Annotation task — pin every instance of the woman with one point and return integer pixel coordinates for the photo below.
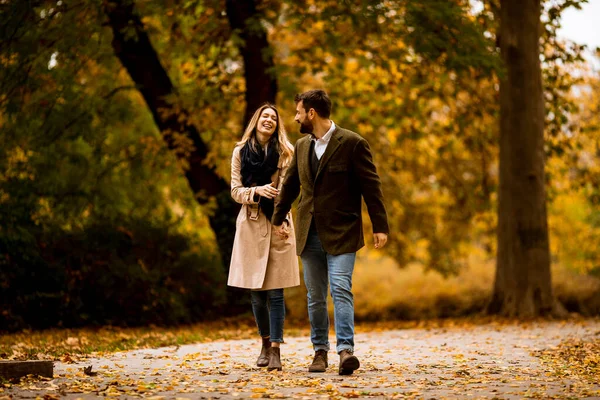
(261, 260)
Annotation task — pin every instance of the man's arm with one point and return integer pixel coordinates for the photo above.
(370, 186)
(289, 191)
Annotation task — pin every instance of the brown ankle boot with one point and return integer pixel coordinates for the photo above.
(263, 358)
(348, 362)
(274, 359)
(319, 363)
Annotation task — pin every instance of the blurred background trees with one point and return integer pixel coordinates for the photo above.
(118, 118)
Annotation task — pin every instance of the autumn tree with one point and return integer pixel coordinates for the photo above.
(134, 48)
(91, 223)
(424, 98)
(434, 124)
(574, 221)
(259, 68)
(523, 286)
(118, 118)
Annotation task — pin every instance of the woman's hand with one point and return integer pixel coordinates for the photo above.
(267, 191)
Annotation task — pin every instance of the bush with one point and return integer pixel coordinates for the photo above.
(131, 273)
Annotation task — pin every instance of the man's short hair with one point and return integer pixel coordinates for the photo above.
(316, 99)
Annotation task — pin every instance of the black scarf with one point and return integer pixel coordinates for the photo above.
(257, 169)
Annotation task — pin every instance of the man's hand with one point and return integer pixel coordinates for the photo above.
(282, 230)
(380, 239)
(268, 191)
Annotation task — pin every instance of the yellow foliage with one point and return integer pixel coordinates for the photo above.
(573, 239)
(384, 292)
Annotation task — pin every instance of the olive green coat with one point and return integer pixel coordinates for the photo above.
(333, 197)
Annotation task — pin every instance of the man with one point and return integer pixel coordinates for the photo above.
(333, 168)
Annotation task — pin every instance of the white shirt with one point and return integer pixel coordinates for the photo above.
(321, 144)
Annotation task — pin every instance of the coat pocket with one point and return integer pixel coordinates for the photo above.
(338, 168)
(344, 216)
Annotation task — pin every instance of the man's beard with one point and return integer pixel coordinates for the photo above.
(306, 127)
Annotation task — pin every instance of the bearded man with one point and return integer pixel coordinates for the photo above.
(333, 168)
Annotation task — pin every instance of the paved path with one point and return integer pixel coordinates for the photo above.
(486, 361)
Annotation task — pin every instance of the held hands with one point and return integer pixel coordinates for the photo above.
(283, 230)
(268, 191)
(380, 239)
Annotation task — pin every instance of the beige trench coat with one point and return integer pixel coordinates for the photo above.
(260, 259)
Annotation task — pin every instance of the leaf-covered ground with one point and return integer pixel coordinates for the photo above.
(448, 360)
(78, 344)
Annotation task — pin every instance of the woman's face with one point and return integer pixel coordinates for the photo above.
(267, 122)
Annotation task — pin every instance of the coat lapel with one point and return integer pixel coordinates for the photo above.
(303, 160)
(334, 144)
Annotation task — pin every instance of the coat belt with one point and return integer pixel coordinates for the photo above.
(252, 211)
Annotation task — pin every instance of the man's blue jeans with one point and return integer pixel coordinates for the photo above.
(269, 311)
(320, 269)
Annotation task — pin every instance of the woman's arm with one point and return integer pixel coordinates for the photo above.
(240, 193)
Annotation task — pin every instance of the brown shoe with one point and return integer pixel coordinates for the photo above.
(348, 362)
(263, 358)
(274, 359)
(319, 363)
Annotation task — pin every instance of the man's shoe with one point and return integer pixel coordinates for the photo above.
(319, 363)
(274, 359)
(263, 358)
(348, 362)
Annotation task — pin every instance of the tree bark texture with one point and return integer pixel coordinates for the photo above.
(132, 46)
(259, 67)
(523, 286)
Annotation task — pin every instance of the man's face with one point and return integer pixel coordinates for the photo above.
(302, 117)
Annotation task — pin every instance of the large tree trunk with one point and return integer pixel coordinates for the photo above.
(523, 286)
(259, 67)
(132, 45)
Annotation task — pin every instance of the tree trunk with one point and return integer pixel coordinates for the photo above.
(259, 67)
(523, 286)
(132, 46)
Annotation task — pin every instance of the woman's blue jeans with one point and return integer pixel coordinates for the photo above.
(269, 311)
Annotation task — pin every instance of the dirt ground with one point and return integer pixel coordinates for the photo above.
(483, 361)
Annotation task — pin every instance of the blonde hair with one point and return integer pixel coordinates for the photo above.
(286, 150)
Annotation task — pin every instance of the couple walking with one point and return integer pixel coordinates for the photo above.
(331, 168)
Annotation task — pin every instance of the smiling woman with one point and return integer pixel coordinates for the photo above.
(267, 122)
(262, 260)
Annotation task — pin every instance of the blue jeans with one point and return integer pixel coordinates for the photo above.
(321, 268)
(269, 312)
